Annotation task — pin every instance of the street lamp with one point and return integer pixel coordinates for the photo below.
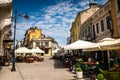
(13, 54)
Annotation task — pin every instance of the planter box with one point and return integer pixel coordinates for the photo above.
(79, 74)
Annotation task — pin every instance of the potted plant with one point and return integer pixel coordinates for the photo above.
(100, 77)
(79, 72)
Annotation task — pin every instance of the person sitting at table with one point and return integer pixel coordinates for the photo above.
(89, 60)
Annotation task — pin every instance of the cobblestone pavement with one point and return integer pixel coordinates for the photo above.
(50, 69)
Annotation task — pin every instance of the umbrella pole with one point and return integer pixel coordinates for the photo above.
(108, 52)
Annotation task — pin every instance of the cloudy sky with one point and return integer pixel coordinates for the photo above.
(54, 17)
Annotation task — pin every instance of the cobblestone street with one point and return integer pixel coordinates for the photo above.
(50, 69)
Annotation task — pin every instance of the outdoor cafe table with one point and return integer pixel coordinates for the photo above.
(91, 63)
(29, 59)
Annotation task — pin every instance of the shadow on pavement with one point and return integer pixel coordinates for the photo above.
(58, 64)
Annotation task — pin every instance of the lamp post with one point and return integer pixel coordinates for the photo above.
(13, 54)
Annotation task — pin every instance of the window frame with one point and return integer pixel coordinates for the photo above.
(97, 28)
(102, 25)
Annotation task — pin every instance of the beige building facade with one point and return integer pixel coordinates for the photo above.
(86, 31)
(5, 22)
(102, 22)
(44, 43)
(80, 19)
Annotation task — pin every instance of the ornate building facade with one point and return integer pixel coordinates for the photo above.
(80, 19)
(34, 38)
(5, 24)
(86, 32)
(31, 33)
(102, 22)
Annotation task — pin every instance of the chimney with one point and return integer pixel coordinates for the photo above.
(93, 5)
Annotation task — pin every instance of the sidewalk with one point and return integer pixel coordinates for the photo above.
(7, 74)
(47, 70)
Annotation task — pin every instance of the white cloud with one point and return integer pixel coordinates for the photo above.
(56, 20)
(32, 17)
(84, 3)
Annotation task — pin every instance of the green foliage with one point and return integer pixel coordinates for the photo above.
(80, 60)
(116, 64)
(100, 77)
(77, 65)
(115, 76)
(78, 69)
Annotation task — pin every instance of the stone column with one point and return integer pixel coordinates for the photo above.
(1, 43)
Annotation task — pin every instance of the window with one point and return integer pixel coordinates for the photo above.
(89, 30)
(96, 15)
(41, 43)
(93, 34)
(46, 43)
(85, 31)
(102, 25)
(32, 37)
(108, 21)
(37, 44)
(97, 28)
(118, 4)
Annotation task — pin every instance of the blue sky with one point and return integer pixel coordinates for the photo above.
(54, 17)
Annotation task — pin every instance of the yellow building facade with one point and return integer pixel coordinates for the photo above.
(34, 38)
(31, 33)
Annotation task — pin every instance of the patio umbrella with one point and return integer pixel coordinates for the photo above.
(22, 50)
(36, 50)
(106, 44)
(101, 45)
(94, 47)
(80, 44)
(111, 45)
